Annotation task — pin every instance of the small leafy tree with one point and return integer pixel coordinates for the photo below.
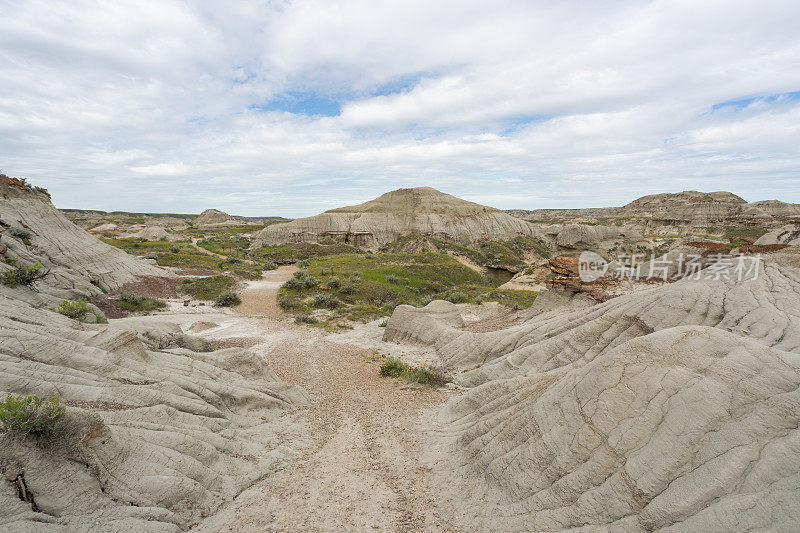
(23, 275)
(31, 415)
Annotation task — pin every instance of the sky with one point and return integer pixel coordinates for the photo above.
(289, 108)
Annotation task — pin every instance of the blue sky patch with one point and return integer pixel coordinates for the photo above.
(744, 103)
(299, 103)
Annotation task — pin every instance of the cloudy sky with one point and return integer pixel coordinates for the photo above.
(293, 107)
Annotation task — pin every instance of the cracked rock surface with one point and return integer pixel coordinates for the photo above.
(671, 409)
(159, 430)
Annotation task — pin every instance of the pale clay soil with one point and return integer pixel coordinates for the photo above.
(355, 464)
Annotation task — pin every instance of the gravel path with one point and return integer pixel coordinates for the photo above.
(357, 466)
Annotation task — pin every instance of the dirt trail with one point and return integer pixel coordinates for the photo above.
(358, 467)
(260, 298)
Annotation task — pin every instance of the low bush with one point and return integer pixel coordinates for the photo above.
(457, 298)
(21, 233)
(305, 319)
(391, 278)
(74, 309)
(301, 280)
(396, 368)
(287, 304)
(23, 275)
(228, 299)
(269, 265)
(325, 300)
(31, 415)
(334, 282)
(133, 303)
(348, 289)
(303, 264)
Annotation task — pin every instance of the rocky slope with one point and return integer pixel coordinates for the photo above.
(674, 408)
(421, 210)
(78, 262)
(159, 431)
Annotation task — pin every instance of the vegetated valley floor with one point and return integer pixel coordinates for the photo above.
(357, 466)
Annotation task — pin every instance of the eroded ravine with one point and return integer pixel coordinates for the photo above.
(358, 467)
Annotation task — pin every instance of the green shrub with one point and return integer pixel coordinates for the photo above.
(228, 299)
(270, 266)
(31, 415)
(23, 275)
(391, 278)
(303, 264)
(325, 300)
(75, 309)
(21, 233)
(301, 280)
(131, 302)
(396, 368)
(334, 282)
(348, 289)
(287, 304)
(355, 278)
(457, 298)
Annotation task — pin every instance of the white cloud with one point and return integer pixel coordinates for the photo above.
(150, 105)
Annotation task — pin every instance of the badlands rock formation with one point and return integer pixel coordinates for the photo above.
(420, 210)
(158, 432)
(211, 218)
(426, 211)
(151, 233)
(673, 212)
(687, 205)
(675, 408)
(78, 263)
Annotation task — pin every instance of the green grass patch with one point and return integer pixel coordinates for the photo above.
(227, 244)
(135, 304)
(284, 254)
(189, 260)
(376, 283)
(141, 247)
(209, 288)
(396, 368)
(494, 254)
(227, 232)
